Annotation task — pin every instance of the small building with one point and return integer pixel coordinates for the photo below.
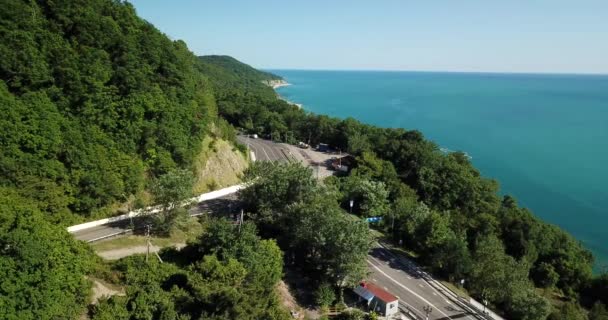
(343, 163)
(323, 147)
(377, 299)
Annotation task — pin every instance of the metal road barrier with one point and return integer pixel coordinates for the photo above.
(200, 198)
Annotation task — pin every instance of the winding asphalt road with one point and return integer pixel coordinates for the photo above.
(401, 277)
(415, 288)
(266, 150)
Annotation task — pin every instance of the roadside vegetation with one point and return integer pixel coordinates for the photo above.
(100, 108)
(228, 272)
(437, 206)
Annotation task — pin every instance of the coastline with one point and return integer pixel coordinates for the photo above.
(275, 84)
(415, 106)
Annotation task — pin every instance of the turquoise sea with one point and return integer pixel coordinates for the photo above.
(543, 137)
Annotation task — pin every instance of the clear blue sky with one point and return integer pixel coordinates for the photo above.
(569, 36)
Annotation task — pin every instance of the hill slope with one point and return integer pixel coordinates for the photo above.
(93, 99)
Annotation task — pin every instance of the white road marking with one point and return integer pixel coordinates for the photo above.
(435, 291)
(420, 285)
(273, 149)
(409, 277)
(385, 288)
(266, 153)
(409, 305)
(408, 289)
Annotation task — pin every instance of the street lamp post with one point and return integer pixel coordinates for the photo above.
(351, 203)
(427, 310)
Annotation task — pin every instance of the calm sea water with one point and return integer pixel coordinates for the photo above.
(543, 137)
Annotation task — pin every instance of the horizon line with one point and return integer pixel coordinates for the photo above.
(443, 71)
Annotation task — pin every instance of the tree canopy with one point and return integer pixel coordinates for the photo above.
(92, 98)
(42, 268)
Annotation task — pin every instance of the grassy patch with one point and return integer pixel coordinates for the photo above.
(189, 230)
(457, 290)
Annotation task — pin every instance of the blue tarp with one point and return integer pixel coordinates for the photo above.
(363, 293)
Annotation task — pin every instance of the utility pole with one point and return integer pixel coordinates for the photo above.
(241, 220)
(147, 241)
(484, 296)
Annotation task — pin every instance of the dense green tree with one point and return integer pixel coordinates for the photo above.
(325, 295)
(273, 188)
(169, 191)
(598, 312)
(42, 268)
(569, 311)
(307, 221)
(527, 305)
(370, 197)
(92, 98)
(451, 258)
(546, 276)
(262, 258)
(233, 277)
(333, 245)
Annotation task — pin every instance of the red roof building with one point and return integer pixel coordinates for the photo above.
(379, 292)
(377, 299)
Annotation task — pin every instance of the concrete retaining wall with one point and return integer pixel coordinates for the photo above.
(203, 197)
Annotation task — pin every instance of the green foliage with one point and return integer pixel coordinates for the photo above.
(325, 295)
(569, 311)
(92, 97)
(42, 268)
(308, 222)
(95, 100)
(353, 314)
(169, 191)
(546, 276)
(229, 273)
(273, 188)
(441, 205)
(598, 312)
(262, 258)
(370, 197)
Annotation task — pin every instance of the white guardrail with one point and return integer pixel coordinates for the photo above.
(203, 197)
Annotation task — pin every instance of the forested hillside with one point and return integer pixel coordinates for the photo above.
(439, 206)
(94, 100)
(98, 106)
(96, 103)
(242, 97)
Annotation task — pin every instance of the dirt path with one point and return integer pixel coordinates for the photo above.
(101, 290)
(290, 303)
(116, 254)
